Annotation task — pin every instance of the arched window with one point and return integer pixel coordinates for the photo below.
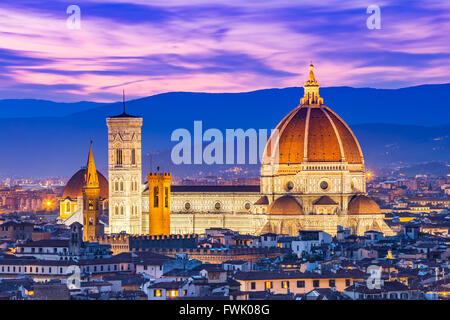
(121, 185)
(116, 210)
(155, 197)
(121, 210)
(68, 206)
(116, 186)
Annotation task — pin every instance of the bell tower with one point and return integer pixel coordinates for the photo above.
(159, 203)
(91, 201)
(125, 173)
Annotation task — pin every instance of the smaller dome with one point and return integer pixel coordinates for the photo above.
(363, 205)
(285, 205)
(325, 201)
(74, 187)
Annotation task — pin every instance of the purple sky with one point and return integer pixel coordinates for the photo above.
(154, 46)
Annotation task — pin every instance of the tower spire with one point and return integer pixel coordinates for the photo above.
(311, 87)
(91, 177)
(91, 201)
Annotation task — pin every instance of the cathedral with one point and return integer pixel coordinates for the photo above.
(314, 181)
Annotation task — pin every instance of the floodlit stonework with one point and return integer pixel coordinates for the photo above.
(125, 174)
(315, 180)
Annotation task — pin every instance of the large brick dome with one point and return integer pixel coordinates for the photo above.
(315, 134)
(312, 132)
(74, 187)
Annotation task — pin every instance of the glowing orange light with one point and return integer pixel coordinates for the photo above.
(369, 174)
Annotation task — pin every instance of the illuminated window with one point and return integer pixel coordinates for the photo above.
(285, 284)
(268, 285)
(174, 293)
(67, 206)
(157, 293)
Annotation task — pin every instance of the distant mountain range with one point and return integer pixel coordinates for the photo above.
(43, 138)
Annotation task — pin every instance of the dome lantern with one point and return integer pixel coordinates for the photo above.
(311, 87)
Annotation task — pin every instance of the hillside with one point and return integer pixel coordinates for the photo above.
(407, 125)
